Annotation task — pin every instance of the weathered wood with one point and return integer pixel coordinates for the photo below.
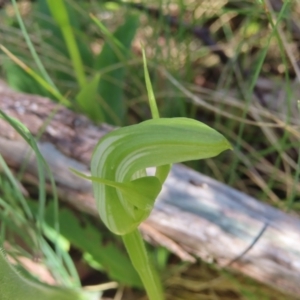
(194, 215)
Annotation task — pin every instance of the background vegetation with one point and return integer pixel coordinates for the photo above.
(230, 64)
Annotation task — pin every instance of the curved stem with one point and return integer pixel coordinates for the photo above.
(138, 255)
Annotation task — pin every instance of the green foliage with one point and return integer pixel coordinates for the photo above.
(15, 216)
(116, 50)
(188, 80)
(124, 203)
(152, 143)
(18, 79)
(60, 15)
(88, 100)
(89, 240)
(124, 195)
(54, 20)
(102, 99)
(15, 286)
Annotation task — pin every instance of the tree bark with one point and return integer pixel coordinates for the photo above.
(194, 216)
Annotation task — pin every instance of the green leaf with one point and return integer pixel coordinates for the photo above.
(88, 100)
(60, 15)
(18, 79)
(151, 97)
(55, 39)
(111, 85)
(88, 239)
(14, 286)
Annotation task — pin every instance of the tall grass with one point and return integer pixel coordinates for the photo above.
(20, 221)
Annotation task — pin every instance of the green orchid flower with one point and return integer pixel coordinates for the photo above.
(125, 194)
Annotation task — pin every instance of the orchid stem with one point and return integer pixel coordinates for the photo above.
(138, 255)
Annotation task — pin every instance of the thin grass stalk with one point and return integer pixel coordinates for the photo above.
(37, 77)
(248, 98)
(31, 47)
(60, 14)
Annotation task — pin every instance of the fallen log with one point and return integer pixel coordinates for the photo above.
(195, 216)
